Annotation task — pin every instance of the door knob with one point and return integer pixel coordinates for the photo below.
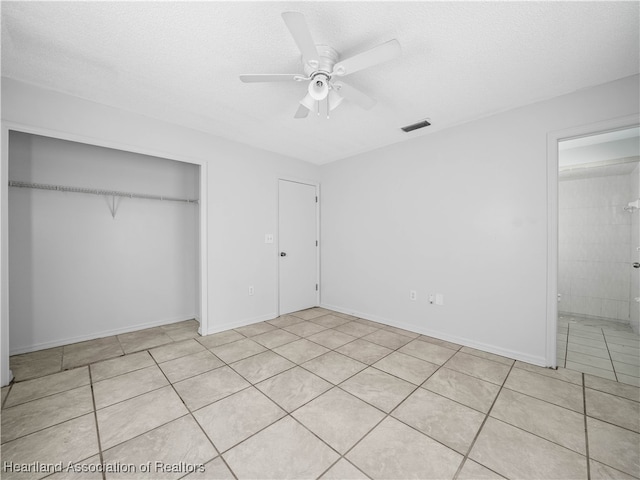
(636, 265)
(284, 254)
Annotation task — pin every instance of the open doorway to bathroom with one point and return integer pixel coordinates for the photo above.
(599, 255)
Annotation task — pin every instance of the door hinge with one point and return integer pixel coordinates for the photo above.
(316, 287)
(316, 243)
(316, 199)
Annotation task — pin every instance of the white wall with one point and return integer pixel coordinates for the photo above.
(461, 212)
(594, 269)
(241, 180)
(75, 271)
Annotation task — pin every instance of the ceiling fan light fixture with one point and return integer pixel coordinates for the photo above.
(308, 102)
(321, 64)
(319, 87)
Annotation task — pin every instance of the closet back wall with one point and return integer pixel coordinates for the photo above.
(76, 272)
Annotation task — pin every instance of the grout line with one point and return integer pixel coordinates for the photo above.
(131, 398)
(95, 419)
(466, 460)
(451, 399)
(586, 433)
(573, 360)
(47, 395)
(566, 349)
(190, 375)
(123, 373)
(336, 462)
(190, 413)
(181, 355)
(9, 388)
(388, 414)
(475, 438)
(613, 367)
(47, 427)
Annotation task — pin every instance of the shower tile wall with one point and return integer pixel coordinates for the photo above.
(594, 246)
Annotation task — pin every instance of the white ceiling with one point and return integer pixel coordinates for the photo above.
(604, 147)
(606, 137)
(180, 61)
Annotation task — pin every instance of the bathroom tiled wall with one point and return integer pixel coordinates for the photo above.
(594, 246)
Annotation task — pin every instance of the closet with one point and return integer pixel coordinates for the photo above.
(101, 241)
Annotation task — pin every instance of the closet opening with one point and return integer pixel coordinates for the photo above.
(101, 242)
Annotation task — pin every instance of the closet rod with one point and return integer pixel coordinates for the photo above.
(113, 193)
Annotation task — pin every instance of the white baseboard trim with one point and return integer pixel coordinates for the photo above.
(516, 355)
(239, 323)
(594, 317)
(104, 333)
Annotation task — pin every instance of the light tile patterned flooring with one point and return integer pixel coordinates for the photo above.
(599, 347)
(315, 394)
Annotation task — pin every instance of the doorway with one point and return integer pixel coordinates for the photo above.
(598, 240)
(298, 246)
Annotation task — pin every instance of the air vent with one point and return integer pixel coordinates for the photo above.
(416, 126)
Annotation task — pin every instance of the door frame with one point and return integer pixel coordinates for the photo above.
(553, 138)
(316, 185)
(202, 261)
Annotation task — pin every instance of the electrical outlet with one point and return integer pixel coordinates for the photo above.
(250, 289)
(412, 295)
(268, 238)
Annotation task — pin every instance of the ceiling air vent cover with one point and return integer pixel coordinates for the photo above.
(416, 126)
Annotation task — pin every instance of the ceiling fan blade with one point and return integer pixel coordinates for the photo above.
(269, 77)
(302, 112)
(297, 25)
(382, 53)
(354, 95)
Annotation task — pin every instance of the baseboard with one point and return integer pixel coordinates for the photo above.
(516, 355)
(594, 317)
(102, 334)
(240, 323)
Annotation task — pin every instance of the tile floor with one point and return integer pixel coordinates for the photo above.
(315, 394)
(599, 347)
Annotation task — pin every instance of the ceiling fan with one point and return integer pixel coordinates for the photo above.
(323, 69)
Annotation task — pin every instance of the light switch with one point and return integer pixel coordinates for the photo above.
(439, 299)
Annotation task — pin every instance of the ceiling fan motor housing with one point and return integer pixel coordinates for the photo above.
(328, 57)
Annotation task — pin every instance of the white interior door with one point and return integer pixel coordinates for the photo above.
(297, 241)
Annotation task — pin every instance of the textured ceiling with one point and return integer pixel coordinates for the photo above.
(180, 61)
